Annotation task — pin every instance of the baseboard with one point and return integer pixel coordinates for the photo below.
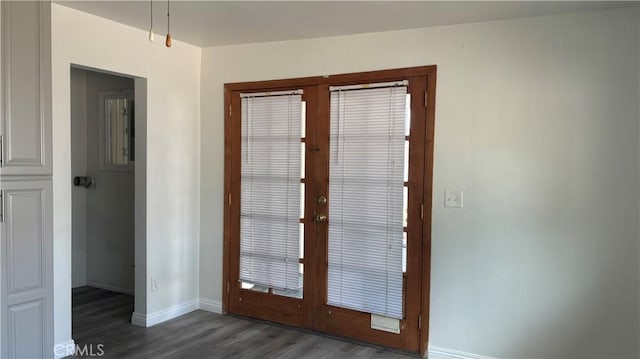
(64, 349)
(109, 287)
(210, 306)
(444, 353)
(139, 320)
(148, 320)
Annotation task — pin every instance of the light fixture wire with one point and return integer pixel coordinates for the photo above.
(151, 35)
(168, 41)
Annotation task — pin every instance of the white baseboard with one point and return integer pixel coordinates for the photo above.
(139, 320)
(64, 349)
(444, 353)
(210, 306)
(148, 320)
(109, 287)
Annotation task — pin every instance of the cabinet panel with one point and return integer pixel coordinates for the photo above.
(26, 88)
(26, 330)
(25, 239)
(26, 257)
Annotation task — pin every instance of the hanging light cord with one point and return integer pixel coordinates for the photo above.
(168, 41)
(151, 37)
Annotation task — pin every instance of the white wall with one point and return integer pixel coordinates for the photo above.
(79, 168)
(537, 120)
(171, 163)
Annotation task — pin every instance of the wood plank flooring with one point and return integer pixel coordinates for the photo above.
(103, 317)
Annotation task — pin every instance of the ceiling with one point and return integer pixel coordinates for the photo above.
(214, 23)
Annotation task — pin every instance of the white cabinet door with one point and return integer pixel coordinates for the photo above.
(25, 101)
(26, 256)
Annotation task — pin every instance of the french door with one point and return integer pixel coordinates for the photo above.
(328, 197)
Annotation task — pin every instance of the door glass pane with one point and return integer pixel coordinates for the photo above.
(118, 116)
(302, 201)
(302, 163)
(407, 116)
(404, 252)
(303, 120)
(293, 293)
(406, 161)
(254, 287)
(405, 206)
(301, 240)
(271, 192)
(366, 183)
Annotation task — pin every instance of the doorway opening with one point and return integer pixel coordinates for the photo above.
(328, 184)
(103, 171)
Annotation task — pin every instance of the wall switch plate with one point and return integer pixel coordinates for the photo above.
(154, 285)
(453, 198)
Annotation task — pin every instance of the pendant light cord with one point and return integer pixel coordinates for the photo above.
(168, 39)
(151, 20)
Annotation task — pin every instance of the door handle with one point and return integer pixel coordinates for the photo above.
(320, 217)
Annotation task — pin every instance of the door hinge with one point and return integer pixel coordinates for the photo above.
(419, 321)
(1, 150)
(426, 101)
(229, 110)
(1, 206)
(229, 199)
(228, 285)
(422, 211)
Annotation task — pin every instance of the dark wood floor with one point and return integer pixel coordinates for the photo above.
(102, 317)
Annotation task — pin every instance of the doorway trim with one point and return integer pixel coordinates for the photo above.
(273, 85)
(140, 191)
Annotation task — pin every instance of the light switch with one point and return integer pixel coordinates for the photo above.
(453, 198)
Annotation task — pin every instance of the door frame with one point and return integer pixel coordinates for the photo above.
(138, 317)
(341, 79)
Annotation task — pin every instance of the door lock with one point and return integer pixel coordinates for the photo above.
(322, 200)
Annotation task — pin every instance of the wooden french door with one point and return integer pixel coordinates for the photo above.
(342, 267)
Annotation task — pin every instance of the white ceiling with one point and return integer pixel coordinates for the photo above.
(212, 23)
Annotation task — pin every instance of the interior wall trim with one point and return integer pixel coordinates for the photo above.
(151, 319)
(445, 353)
(208, 305)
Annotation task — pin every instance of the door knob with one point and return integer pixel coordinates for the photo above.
(320, 217)
(322, 200)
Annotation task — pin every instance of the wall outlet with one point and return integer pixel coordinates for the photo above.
(453, 198)
(154, 285)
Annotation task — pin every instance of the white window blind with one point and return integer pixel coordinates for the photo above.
(270, 190)
(366, 179)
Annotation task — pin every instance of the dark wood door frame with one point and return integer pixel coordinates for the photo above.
(232, 157)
